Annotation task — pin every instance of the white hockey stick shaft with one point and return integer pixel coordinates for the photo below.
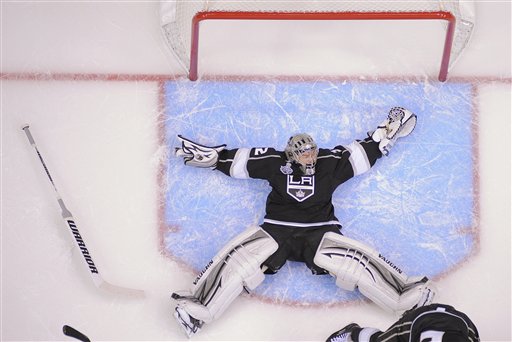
(70, 221)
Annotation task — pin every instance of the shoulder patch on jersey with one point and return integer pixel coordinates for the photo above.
(286, 169)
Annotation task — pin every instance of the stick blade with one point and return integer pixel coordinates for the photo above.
(72, 332)
(121, 290)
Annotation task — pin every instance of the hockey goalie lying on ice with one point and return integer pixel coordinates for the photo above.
(299, 224)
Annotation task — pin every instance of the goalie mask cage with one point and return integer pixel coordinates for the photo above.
(180, 20)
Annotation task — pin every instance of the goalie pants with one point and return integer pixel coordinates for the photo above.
(296, 244)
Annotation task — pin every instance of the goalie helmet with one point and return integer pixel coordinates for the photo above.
(303, 150)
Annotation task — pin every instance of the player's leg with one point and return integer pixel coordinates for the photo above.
(308, 241)
(434, 322)
(283, 236)
(356, 265)
(235, 268)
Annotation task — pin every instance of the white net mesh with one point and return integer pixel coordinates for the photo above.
(176, 16)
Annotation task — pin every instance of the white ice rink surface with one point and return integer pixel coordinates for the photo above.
(100, 141)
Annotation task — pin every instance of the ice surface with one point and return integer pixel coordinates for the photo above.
(90, 78)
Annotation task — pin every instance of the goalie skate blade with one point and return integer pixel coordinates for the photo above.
(72, 332)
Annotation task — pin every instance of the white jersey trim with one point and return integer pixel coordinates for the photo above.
(358, 158)
(239, 165)
(334, 154)
(303, 225)
(366, 333)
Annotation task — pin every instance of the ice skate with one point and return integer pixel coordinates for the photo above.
(189, 324)
(428, 293)
(343, 335)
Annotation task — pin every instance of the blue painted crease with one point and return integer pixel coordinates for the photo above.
(415, 206)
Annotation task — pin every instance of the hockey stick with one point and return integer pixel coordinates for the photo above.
(72, 332)
(70, 221)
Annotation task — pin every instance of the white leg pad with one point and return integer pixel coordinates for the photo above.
(235, 267)
(357, 265)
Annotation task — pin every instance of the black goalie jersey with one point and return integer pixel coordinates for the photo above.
(297, 200)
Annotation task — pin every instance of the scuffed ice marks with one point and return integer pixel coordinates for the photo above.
(415, 206)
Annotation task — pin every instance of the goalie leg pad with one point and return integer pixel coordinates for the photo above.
(356, 265)
(235, 268)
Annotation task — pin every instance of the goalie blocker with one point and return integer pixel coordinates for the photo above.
(198, 155)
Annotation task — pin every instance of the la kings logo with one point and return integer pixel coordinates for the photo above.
(300, 188)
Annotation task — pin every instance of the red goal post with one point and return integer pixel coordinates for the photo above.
(180, 20)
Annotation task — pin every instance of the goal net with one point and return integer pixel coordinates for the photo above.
(180, 20)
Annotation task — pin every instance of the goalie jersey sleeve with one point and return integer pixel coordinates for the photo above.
(296, 199)
(246, 163)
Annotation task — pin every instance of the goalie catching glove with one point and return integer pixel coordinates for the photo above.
(399, 123)
(198, 155)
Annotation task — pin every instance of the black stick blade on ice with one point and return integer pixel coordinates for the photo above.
(72, 332)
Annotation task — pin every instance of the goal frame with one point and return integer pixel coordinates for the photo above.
(247, 15)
